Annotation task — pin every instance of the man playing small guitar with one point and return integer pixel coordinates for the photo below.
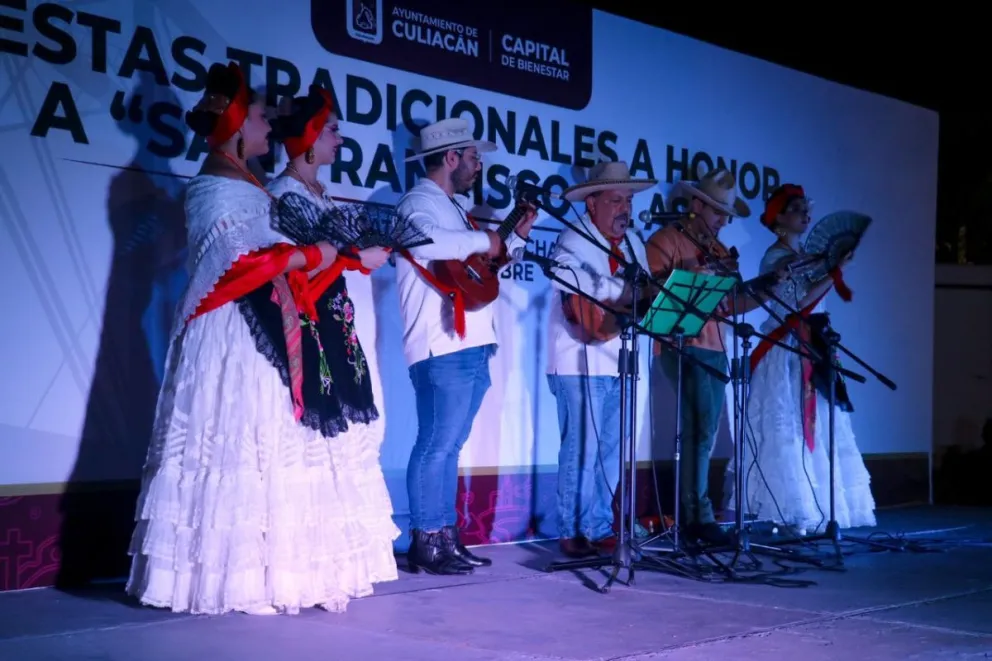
(447, 344)
(583, 361)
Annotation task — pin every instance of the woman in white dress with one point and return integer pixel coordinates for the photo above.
(786, 454)
(237, 504)
(344, 409)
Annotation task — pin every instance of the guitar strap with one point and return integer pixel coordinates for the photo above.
(455, 296)
(466, 218)
(452, 294)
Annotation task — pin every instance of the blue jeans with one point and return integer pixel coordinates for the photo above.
(449, 391)
(702, 408)
(589, 457)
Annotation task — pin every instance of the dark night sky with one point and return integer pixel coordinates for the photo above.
(945, 69)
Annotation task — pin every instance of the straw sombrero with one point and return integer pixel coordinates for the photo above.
(453, 133)
(607, 175)
(717, 188)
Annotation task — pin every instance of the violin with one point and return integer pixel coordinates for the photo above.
(718, 257)
(713, 254)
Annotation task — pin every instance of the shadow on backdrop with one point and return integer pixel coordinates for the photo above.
(398, 405)
(146, 278)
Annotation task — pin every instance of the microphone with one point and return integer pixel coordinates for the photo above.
(544, 263)
(763, 282)
(634, 273)
(527, 189)
(662, 218)
(806, 262)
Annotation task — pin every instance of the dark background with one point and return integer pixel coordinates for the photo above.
(938, 60)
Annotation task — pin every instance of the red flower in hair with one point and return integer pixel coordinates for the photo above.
(296, 145)
(780, 199)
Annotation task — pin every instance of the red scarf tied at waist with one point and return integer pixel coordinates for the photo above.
(792, 322)
(452, 294)
(293, 292)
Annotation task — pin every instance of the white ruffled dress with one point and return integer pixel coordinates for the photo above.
(785, 482)
(241, 507)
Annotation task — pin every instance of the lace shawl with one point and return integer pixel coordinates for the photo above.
(225, 220)
(791, 291)
(286, 184)
(337, 384)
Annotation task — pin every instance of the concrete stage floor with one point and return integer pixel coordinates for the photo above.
(885, 605)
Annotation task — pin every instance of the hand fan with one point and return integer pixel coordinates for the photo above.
(300, 219)
(367, 224)
(837, 235)
(833, 238)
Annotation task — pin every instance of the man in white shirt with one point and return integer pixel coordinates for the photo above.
(583, 375)
(447, 348)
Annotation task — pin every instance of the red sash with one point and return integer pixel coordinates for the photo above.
(452, 294)
(293, 292)
(792, 322)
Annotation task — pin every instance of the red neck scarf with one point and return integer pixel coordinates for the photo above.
(616, 255)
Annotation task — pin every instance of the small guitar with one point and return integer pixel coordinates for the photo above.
(477, 278)
(591, 324)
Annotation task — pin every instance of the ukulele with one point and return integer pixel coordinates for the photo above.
(591, 324)
(477, 277)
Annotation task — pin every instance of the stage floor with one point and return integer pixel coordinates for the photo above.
(906, 605)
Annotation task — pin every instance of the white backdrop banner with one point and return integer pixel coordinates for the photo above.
(96, 156)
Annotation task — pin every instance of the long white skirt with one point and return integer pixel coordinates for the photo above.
(241, 507)
(787, 483)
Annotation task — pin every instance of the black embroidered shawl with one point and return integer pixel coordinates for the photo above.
(337, 388)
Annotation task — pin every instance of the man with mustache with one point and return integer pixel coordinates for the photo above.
(582, 374)
(713, 202)
(446, 348)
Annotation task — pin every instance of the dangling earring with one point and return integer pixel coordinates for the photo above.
(780, 232)
(241, 148)
(692, 215)
(310, 157)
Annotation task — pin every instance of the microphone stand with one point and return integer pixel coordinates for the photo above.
(628, 554)
(741, 379)
(745, 331)
(832, 531)
(624, 553)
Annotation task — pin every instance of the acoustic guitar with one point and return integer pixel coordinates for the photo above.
(477, 277)
(591, 324)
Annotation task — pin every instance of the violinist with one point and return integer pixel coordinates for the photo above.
(713, 202)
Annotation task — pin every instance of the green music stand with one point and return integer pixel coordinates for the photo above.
(669, 316)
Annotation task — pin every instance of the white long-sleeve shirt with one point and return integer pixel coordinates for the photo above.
(590, 273)
(428, 328)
